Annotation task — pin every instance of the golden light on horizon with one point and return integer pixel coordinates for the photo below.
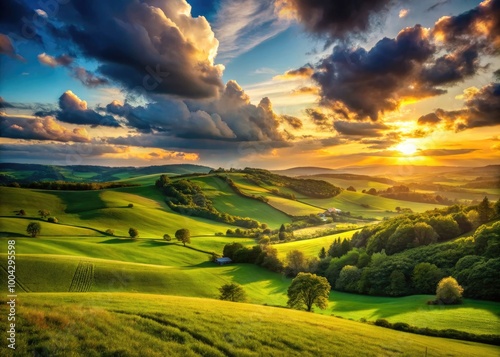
(407, 148)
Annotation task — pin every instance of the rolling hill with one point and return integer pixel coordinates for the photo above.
(124, 324)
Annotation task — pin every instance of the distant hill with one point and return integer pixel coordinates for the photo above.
(354, 177)
(78, 173)
(391, 170)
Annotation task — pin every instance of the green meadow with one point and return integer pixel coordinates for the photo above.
(125, 324)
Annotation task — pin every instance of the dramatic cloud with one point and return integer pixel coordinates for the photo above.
(39, 129)
(6, 48)
(243, 25)
(319, 118)
(302, 72)
(479, 26)
(375, 81)
(336, 18)
(359, 84)
(482, 108)
(294, 122)
(152, 45)
(365, 129)
(63, 60)
(74, 110)
(429, 119)
(229, 118)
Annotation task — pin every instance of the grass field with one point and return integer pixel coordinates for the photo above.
(290, 207)
(359, 185)
(102, 210)
(378, 206)
(124, 324)
(154, 266)
(311, 247)
(226, 200)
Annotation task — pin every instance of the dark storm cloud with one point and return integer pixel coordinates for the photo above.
(452, 68)
(74, 110)
(371, 82)
(358, 83)
(143, 45)
(479, 26)
(482, 108)
(365, 129)
(150, 45)
(39, 129)
(336, 18)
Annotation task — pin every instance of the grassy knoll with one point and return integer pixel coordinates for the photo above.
(103, 209)
(290, 207)
(311, 247)
(226, 200)
(16, 227)
(378, 206)
(89, 324)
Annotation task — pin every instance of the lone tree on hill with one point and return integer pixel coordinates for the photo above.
(449, 291)
(183, 235)
(44, 213)
(307, 290)
(232, 292)
(134, 233)
(34, 229)
(167, 237)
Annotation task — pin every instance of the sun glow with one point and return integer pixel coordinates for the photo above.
(406, 148)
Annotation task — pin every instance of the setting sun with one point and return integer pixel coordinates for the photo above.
(406, 148)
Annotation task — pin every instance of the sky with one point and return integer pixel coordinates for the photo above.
(250, 83)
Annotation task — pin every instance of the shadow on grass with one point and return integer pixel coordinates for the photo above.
(117, 241)
(13, 235)
(150, 243)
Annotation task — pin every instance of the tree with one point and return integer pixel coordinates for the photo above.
(53, 220)
(348, 279)
(134, 233)
(183, 235)
(350, 188)
(23, 212)
(130, 205)
(34, 229)
(282, 233)
(232, 292)
(307, 290)
(230, 249)
(484, 210)
(496, 207)
(295, 262)
(424, 234)
(167, 237)
(44, 213)
(449, 291)
(425, 277)
(322, 253)
(110, 232)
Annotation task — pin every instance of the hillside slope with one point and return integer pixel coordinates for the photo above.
(153, 325)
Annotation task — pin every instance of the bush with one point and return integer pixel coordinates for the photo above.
(449, 291)
(134, 233)
(383, 323)
(110, 232)
(130, 205)
(167, 237)
(52, 220)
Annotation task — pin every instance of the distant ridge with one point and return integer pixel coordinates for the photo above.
(92, 173)
(389, 171)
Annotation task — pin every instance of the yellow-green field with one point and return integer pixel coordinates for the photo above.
(124, 324)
